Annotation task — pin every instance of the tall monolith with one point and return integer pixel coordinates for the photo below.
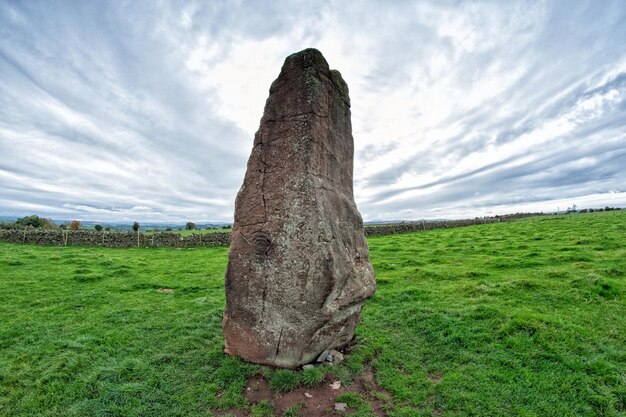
(298, 269)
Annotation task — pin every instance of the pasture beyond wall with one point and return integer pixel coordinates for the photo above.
(130, 239)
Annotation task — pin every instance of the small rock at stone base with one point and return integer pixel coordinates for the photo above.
(328, 364)
(341, 406)
(306, 394)
(336, 385)
(308, 366)
(323, 356)
(337, 356)
(329, 358)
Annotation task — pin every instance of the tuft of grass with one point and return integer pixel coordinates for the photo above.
(294, 410)
(356, 402)
(284, 380)
(312, 377)
(263, 408)
(343, 373)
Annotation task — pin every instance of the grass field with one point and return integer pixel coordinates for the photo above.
(511, 319)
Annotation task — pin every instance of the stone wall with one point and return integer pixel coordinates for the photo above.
(112, 239)
(129, 239)
(392, 229)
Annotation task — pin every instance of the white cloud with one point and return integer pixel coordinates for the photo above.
(468, 108)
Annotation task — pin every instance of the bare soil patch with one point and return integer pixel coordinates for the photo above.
(435, 377)
(315, 401)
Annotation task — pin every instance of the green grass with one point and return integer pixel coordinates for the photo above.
(263, 409)
(313, 377)
(356, 402)
(523, 318)
(293, 410)
(284, 380)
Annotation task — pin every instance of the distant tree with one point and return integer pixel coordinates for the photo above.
(190, 226)
(49, 224)
(30, 221)
(169, 229)
(36, 222)
(98, 228)
(107, 229)
(74, 225)
(136, 229)
(228, 226)
(63, 226)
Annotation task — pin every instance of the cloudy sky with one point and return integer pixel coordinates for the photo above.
(143, 110)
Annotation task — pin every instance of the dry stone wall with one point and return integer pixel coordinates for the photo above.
(392, 229)
(113, 239)
(409, 227)
(129, 239)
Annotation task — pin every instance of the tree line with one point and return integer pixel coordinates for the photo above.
(36, 222)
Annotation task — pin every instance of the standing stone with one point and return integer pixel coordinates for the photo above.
(298, 269)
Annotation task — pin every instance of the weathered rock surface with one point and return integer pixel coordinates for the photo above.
(298, 271)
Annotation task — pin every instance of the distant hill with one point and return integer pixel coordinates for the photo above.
(126, 225)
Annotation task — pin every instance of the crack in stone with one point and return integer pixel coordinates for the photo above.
(295, 117)
(323, 143)
(262, 160)
(280, 336)
(338, 87)
(244, 237)
(263, 297)
(252, 224)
